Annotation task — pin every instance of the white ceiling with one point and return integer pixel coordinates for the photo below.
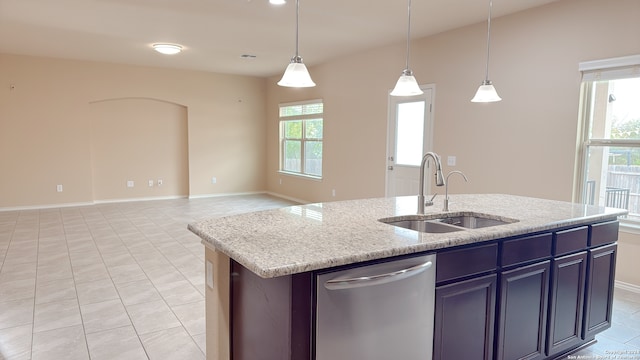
(215, 33)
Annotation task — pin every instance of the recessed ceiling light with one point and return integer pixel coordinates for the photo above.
(277, 2)
(167, 49)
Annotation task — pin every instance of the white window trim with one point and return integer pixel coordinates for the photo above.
(299, 117)
(605, 69)
(594, 65)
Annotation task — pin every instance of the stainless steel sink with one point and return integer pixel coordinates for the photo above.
(426, 226)
(473, 221)
(444, 223)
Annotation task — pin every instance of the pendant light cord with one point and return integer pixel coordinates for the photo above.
(408, 31)
(486, 74)
(297, 24)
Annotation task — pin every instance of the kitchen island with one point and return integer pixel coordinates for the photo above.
(280, 251)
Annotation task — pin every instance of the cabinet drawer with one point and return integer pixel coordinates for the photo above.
(572, 240)
(464, 262)
(526, 249)
(603, 233)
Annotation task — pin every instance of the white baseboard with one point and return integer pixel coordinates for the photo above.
(206, 196)
(299, 201)
(151, 198)
(46, 206)
(627, 286)
(110, 201)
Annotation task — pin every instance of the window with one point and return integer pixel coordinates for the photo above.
(610, 146)
(301, 138)
(410, 128)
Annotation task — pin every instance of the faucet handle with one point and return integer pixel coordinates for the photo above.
(430, 201)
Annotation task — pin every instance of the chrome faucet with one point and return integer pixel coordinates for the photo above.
(446, 188)
(439, 178)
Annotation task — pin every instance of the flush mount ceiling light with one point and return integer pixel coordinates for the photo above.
(407, 84)
(296, 74)
(167, 49)
(486, 92)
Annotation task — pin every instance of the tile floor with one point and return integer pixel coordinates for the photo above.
(622, 340)
(109, 281)
(126, 281)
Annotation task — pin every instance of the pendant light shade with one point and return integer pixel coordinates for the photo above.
(407, 84)
(296, 74)
(486, 92)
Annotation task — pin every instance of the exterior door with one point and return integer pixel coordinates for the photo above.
(409, 137)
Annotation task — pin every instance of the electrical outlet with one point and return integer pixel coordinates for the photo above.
(59, 188)
(150, 183)
(451, 161)
(130, 183)
(214, 180)
(333, 192)
(160, 182)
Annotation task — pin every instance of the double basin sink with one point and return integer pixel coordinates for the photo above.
(449, 222)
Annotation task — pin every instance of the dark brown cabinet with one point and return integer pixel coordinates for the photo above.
(599, 297)
(553, 294)
(464, 319)
(537, 296)
(566, 302)
(522, 314)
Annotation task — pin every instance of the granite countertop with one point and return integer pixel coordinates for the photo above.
(302, 238)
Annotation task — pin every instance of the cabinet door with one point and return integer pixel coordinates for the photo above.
(523, 312)
(599, 297)
(566, 306)
(464, 319)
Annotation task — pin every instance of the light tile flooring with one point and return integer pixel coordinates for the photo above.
(126, 281)
(110, 281)
(622, 340)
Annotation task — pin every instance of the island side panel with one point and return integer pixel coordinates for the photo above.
(217, 307)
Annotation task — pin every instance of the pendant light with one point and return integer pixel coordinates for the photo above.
(486, 92)
(296, 74)
(407, 84)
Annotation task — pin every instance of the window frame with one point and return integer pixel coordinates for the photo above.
(592, 72)
(304, 119)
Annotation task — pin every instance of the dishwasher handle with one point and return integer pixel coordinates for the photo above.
(350, 283)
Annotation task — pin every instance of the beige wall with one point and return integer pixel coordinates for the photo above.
(523, 145)
(46, 136)
(627, 260)
(138, 140)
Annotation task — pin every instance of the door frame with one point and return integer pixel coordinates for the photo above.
(427, 143)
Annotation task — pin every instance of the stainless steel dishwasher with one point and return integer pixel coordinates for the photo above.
(377, 312)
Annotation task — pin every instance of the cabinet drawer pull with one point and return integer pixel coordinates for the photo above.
(349, 283)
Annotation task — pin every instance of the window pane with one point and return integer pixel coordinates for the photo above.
(613, 178)
(303, 109)
(292, 156)
(291, 110)
(313, 158)
(316, 108)
(616, 113)
(313, 129)
(409, 133)
(293, 129)
(625, 108)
